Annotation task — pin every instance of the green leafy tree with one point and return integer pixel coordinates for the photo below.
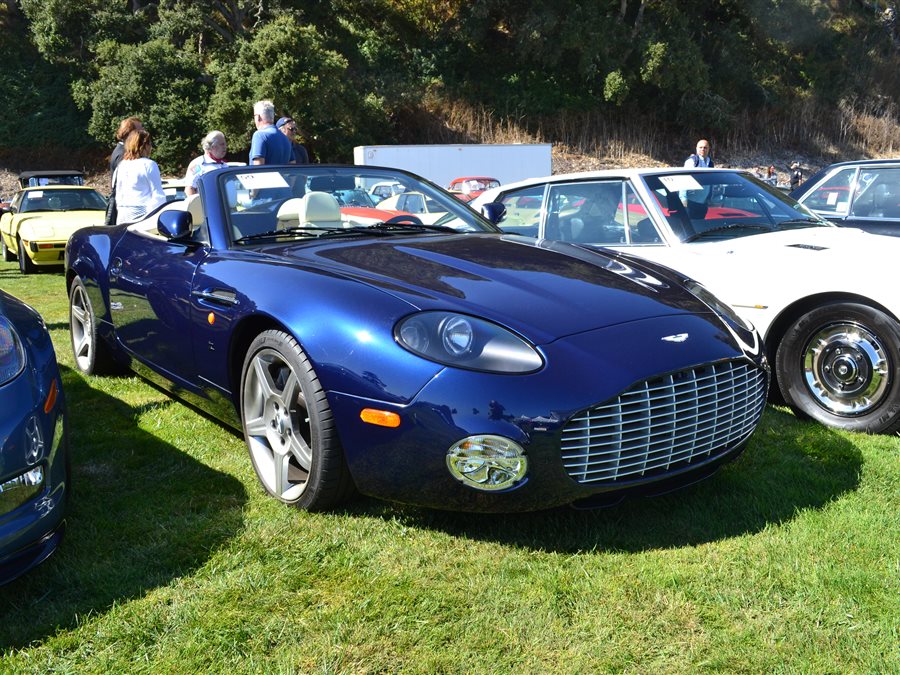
(156, 82)
(292, 65)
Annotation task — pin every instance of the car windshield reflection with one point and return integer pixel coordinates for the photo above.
(285, 202)
(712, 205)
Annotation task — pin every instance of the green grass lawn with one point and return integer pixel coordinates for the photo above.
(788, 560)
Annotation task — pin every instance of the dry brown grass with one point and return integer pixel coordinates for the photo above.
(591, 140)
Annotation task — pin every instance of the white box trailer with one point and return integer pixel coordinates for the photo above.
(443, 163)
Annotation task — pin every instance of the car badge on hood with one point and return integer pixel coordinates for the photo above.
(678, 337)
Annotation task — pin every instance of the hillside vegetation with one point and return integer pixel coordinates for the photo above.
(601, 79)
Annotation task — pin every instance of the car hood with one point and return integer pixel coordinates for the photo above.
(544, 289)
(58, 225)
(813, 246)
(751, 271)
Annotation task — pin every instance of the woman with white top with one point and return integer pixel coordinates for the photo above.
(138, 182)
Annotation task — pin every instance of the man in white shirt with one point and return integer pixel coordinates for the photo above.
(214, 149)
(701, 158)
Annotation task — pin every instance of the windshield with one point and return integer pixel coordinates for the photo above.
(62, 200)
(707, 205)
(319, 201)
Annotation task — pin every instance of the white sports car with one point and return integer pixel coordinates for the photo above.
(825, 298)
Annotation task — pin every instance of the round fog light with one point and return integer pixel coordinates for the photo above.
(487, 462)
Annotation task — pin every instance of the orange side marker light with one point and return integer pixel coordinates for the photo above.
(51, 397)
(381, 418)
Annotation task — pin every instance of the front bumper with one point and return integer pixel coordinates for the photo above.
(408, 463)
(46, 252)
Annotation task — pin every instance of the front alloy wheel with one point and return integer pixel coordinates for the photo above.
(840, 364)
(288, 426)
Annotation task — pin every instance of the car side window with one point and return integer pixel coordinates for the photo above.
(587, 212)
(832, 197)
(877, 194)
(523, 210)
(413, 203)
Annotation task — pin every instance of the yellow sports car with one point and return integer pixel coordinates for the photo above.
(39, 220)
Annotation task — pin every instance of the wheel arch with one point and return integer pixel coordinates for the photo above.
(241, 338)
(789, 315)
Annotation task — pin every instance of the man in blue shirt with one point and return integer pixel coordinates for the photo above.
(268, 145)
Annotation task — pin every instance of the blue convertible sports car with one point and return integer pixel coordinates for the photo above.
(34, 461)
(446, 365)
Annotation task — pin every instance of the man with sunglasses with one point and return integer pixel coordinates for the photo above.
(288, 127)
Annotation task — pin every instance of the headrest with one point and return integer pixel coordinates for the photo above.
(315, 209)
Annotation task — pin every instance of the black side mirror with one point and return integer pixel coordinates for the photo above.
(174, 224)
(494, 212)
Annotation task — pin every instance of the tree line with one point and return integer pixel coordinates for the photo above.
(360, 71)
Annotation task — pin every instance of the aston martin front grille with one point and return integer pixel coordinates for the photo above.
(665, 424)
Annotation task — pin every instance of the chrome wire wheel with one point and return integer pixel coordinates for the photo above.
(846, 368)
(81, 327)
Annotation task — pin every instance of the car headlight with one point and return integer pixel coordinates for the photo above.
(12, 354)
(466, 342)
(705, 296)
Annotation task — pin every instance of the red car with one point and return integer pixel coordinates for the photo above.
(469, 187)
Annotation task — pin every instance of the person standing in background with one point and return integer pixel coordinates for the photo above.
(796, 175)
(138, 184)
(288, 127)
(268, 145)
(126, 126)
(214, 149)
(702, 157)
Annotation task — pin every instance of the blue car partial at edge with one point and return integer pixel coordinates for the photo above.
(444, 364)
(34, 461)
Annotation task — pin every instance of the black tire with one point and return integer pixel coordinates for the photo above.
(8, 256)
(288, 426)
(25, 264)
(92, 355)
(839, 364)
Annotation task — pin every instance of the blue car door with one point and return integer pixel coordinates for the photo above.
(150, 282)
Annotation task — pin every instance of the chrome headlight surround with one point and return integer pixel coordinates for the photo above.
(12, 352)
(487, 463)
(21, 489)
(464, 341)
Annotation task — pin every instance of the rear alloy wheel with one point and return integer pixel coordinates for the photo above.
(25, 264)
(288, 426)
(840, 364)
(8, 256)
(92, 355)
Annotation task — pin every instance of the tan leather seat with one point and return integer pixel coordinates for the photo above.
(194, 206)
(315, 209)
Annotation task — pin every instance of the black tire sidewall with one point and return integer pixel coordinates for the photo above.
(789, 365)
(25, 264)
(324, 448)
